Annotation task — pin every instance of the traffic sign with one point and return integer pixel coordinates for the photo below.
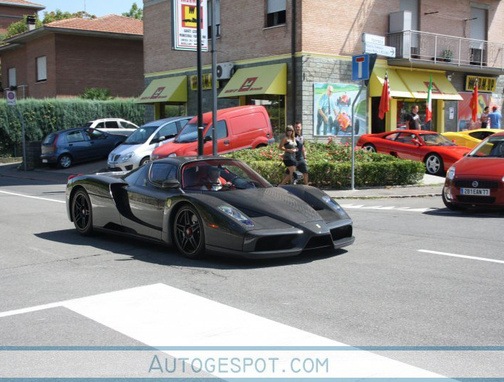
(360, 67)
(10, 95)
(382, 50)
(372, 38)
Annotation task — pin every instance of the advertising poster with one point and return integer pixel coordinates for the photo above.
(465, 113)
(333, 110)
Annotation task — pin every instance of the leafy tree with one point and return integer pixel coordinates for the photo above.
(20, 27)
(100, 94)
(135, 12)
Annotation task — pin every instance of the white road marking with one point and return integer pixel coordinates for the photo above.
(387, 208)
(32, 197)
(182, 324)
(462, 256)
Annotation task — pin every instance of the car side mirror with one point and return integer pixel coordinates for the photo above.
(170, 183)
(416, 142)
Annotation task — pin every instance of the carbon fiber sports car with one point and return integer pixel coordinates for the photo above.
(208, 205)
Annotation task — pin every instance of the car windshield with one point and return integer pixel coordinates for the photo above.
(189, 133)
(490, 147)
(140, 135)
(436, 140)
(220, 175)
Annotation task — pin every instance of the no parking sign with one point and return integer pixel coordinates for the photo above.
(11, 97)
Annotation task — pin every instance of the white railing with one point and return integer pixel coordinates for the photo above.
(438, 48)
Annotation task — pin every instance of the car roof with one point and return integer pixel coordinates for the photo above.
(107, 119)
(183, 160)
(160, 122)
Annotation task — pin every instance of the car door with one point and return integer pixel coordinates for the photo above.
(407, 146)
(147, 199)
(165, 133)
(223, 139)
(77, 144)
(101, 143)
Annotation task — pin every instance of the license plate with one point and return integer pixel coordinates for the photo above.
(475, 191)
(44, 160)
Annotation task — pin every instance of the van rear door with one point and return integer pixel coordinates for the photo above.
(247, 128)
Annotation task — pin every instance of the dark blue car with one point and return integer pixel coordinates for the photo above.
(81, 144)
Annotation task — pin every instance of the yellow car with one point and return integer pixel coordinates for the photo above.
(469, 138)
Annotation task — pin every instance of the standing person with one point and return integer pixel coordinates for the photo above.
(325, 112)
(413, 119)
(301, 153)
(484, 117)
(288, 145)
(495, 118)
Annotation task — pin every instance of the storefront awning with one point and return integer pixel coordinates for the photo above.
(398, 88)
(170, 89)
(268, 79)
(418, 83)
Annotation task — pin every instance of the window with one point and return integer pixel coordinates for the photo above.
(41, 68)
(276, 13)
(217, 18)
(12, 77)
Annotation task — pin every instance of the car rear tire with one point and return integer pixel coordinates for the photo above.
(82, 213)
(188, 233)
(434, 164)
(369, 148)
(64, 161)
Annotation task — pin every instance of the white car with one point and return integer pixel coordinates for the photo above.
(137, 148)
(116, 126)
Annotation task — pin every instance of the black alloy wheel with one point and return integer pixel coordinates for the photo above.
(82, 213)
(188, 233)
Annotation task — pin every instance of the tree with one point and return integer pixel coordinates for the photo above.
(101, 94)
(135, 12)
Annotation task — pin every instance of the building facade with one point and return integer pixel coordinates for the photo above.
(298, 58)
(66, 57)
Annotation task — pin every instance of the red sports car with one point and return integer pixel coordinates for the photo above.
(477, 180)
(437, 152)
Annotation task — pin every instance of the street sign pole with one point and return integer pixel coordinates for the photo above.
(353, 135)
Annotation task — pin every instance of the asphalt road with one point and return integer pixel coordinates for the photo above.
(420, 292)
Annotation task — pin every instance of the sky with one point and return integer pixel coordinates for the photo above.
(94, 7)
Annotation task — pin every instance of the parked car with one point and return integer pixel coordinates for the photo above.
(66, 147)
(164, 201)
(237, 128)
(137, 148)
(113, 126)
(477, 180)
(469, 138)
(437, 152)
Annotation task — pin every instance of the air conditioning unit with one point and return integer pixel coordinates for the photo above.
(225, 70)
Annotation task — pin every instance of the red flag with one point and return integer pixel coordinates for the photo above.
(428, 105)
(385, 98)
(474, 101)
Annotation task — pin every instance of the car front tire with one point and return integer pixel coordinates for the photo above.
(434, 164)
(188, 233)
(82, 213)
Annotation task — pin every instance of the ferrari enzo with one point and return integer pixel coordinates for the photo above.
(437, 152)
(208, 205)
(469, 138)
(477, 180)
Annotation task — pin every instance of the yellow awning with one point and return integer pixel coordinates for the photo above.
(170, 89)
(398, 88)
(268, 79)
(418, 83)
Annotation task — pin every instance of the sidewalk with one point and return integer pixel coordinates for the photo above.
(429, 186)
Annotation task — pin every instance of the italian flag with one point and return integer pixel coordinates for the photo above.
(428, 104)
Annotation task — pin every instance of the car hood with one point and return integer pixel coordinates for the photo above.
(125, 148)
(475, 166)
(273, 202)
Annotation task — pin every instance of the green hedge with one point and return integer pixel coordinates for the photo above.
(330, 166)
(42, 116)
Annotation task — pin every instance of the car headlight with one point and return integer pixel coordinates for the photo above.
(172, 155)
(450, 174)
(126, 157)
(334, 206)
(237, 215)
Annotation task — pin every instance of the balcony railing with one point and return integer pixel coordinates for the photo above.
(435, 48)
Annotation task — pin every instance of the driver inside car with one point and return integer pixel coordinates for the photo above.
(213, 181)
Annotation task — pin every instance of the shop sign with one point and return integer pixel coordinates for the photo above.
(185, 25)
(485, 84)
(206, 82)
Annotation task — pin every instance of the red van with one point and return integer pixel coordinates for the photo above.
(239, 127)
